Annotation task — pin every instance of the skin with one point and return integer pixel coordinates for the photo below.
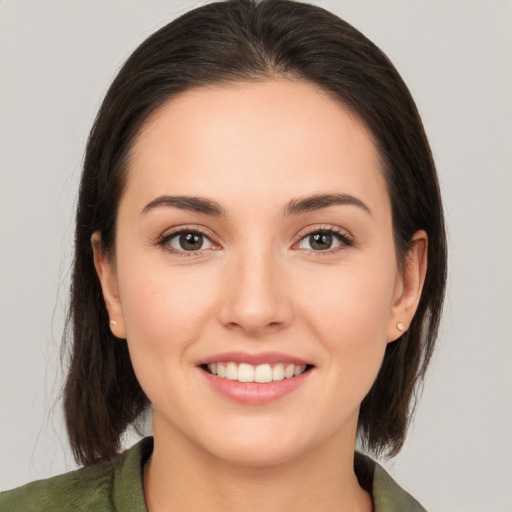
(259, 285)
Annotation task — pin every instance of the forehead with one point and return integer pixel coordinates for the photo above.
(262, 140)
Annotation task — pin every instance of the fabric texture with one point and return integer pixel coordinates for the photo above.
(117, 487)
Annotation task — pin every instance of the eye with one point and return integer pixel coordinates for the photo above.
(324, 240)
(186, 241)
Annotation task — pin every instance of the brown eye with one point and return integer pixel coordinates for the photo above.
(320, 241)
(324, 240)
(189, 241)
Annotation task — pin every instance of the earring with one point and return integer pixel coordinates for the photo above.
(400, 326)
(113, 322)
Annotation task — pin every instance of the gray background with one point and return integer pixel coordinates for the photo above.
(56, 61)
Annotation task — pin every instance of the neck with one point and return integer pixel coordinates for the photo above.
(180, 476)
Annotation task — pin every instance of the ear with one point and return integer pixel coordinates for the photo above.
(408, 286)
(108, 279)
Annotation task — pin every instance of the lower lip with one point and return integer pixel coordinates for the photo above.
(254, 393)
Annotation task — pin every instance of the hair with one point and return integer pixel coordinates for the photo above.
(236, 41)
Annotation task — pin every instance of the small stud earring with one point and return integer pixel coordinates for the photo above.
(400, 326)
(113, 322)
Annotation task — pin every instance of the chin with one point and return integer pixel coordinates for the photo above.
(258, 445)
(257, 455)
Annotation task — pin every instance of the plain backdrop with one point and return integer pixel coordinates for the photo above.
(56, 61)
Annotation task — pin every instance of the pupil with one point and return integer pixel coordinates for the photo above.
(321, 241)
(191, 241)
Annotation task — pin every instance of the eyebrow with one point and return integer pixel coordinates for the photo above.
(319, 201)
(293, 207)
(191, 203)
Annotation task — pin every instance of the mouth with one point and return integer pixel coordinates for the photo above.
(255, 378)
(261, 373)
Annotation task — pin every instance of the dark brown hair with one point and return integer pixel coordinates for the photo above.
(243, 40)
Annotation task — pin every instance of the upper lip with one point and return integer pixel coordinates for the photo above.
(253, 358)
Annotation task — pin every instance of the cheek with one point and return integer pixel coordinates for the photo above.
(164, 319)
(165, 308)
(165, 313)
(350, 319)
(353, 301)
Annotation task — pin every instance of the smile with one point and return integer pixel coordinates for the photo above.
(255, 379)
(262, 373)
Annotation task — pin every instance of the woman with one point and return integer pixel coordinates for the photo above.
(257, 208)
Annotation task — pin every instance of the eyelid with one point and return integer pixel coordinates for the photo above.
(163, 239)
(344, 236)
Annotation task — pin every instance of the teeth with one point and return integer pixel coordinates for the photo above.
(289, 371)
(232, 371)
(245, 373)
(278, 372)
(261, 373)
(298, 370)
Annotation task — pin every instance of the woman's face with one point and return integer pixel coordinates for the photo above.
(254, 240)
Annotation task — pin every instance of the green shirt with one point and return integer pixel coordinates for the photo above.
(117, 487)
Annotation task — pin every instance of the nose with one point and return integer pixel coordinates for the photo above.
(255, 299)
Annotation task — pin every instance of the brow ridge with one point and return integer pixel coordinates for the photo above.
(191, 203)
(319, 201)
(293, 207)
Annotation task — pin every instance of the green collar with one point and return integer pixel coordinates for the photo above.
(117, 487)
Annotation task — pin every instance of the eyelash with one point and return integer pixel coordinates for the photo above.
(341, 236)
(164, 240)
(344, 239)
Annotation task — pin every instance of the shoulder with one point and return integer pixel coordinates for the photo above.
(105, 487)
(77, 490)
(387, 495)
